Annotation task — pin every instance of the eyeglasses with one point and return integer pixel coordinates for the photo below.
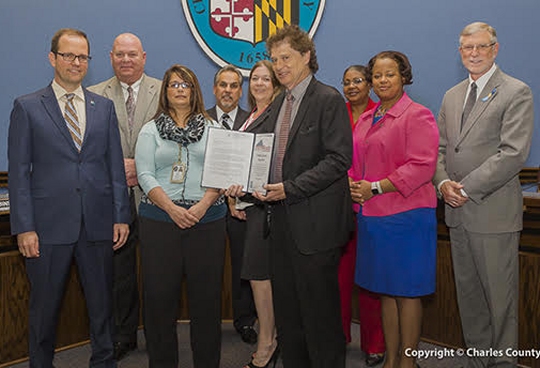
(480, 48)
(177, 85)
(355, 81)
(71, 57)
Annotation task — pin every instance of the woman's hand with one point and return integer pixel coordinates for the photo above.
(360, 191)
(236, 213)
(234, 190)
(184, 218)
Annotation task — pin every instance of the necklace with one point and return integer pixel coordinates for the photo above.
(380, 111)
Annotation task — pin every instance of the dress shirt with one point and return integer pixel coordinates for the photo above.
(135, 87)
(298, 93)
(480, 83)
(78, 102)
(232, 114)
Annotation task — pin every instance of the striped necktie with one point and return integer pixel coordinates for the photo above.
(130, 107)
(283, 137)
(72, 121)
(226, 121)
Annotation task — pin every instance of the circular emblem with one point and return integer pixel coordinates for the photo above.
(234, 31)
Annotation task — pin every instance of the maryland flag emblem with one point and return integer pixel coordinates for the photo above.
(234, 31)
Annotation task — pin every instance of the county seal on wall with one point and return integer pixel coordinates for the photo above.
(234, 31)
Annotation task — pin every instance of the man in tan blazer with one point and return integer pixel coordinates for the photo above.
(484, 142)
(135, 96)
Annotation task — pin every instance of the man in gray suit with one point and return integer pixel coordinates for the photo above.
(135, 96)
(228, 90)
(485, 124)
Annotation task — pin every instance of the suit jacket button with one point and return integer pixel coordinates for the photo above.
(456, 150)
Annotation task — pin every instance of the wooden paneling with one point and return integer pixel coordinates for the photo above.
(441, 323)
(529, 305)
(14, 291)
(73, 324)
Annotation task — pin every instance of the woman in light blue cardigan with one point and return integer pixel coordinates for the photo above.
(182, 225)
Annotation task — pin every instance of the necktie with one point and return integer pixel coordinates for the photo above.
(469, 104)
(283, 137)
(72, 122)
(226, 121)
(130, 107)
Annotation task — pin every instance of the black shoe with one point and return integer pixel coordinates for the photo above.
(121, 349)
(374, 359)
(248, 334)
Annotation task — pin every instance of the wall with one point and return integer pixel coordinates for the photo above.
(351, 31)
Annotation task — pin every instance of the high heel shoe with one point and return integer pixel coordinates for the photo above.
(374, 359)
(270, 363)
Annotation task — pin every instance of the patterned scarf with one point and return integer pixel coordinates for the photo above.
(192, 133)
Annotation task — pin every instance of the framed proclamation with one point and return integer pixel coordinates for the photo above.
(237, 158)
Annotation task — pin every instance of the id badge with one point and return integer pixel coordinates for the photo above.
(178, 173)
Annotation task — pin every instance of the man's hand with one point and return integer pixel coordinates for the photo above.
(131, 172)
(274, 192)
(451, 192)
(120, 235)
(28, 243)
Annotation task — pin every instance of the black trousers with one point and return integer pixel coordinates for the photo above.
(306, 301)
(169, 253)
(244, 312)
(125, 285)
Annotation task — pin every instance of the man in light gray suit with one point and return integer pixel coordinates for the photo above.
(135, 96)
(486, 124)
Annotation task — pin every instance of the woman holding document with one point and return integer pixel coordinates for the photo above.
(182, 225)
(263, 88)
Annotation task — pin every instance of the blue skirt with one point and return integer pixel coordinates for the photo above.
(397, 253)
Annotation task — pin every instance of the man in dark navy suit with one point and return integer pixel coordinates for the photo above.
(68, 197)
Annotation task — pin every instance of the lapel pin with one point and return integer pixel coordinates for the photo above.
(490, 95)
(92, 102)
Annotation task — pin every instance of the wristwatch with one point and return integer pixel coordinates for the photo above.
(376, 188)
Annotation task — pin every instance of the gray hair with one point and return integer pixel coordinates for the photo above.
(229, 68)
(476, 27)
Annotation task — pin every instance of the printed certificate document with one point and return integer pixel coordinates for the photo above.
(234, 157)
